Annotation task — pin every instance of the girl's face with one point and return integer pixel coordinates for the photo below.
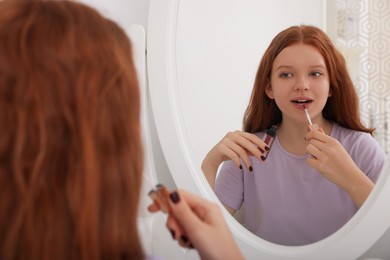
(299, 79)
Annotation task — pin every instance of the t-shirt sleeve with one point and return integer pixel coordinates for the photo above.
(229, 186)
(368, 156)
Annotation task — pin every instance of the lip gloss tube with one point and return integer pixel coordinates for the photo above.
(160, 194)
(268, 138)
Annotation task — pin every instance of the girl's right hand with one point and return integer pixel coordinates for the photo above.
(198, 223)
(236, 146)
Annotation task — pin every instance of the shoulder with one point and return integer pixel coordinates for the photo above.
(349, 137)
(357, 142)
(363, 148)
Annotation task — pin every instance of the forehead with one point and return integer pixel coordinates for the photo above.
(299, 55)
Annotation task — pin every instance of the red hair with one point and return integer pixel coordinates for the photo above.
(70, 149)
(342, 107)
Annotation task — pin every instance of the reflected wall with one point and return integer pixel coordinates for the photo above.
(363, 36)
(217, 56)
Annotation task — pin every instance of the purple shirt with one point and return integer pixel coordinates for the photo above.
(289, 203)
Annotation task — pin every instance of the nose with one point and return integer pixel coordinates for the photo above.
(302, 83)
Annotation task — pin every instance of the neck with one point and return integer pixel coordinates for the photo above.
(291, 135)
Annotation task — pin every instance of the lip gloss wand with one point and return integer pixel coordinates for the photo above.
(307, 115)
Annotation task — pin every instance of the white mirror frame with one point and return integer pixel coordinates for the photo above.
(356, 237)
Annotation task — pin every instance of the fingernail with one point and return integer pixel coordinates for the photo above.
(175, 198)
(191, 246)
(261, 150)
(240, 167)
(184, 239)
(250, 168)
(266, 148)
(308, 128)
(172, 233)
(262, 158)
(159, 185)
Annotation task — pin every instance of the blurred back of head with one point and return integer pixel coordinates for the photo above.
(70, 151)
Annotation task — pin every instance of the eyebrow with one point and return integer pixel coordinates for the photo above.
(311, 67)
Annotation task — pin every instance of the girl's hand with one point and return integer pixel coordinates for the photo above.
(198, 223)
(235, 146)
(331, 159)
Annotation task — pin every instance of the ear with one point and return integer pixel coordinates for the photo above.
(268, 91)
(330, 92)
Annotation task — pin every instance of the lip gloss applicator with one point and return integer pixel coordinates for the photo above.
(307, 115)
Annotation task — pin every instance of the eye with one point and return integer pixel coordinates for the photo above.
(285, 75)
(315, 73)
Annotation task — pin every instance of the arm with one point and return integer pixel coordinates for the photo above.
(360, 188)
(209, 170)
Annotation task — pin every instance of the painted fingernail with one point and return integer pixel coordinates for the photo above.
(184, 239)
(266, 148)
(172, 233)
(175, 198)
(262, 158)
(250, 168)
(240, 167)
(191, 246)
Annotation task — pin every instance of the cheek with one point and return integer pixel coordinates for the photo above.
(280, 94)
(281, 99)
(324, 95)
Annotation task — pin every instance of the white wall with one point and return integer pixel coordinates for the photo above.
(124, 12)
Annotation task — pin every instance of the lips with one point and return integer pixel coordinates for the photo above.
(302, 101)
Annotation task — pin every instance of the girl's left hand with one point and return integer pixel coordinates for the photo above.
(331, 159)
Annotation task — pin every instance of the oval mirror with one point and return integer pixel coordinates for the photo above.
(202, 57)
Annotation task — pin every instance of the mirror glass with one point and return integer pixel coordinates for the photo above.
(217, 57)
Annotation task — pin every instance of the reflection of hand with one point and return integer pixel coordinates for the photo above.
(331, 159)
(235, 146)
(196, 222)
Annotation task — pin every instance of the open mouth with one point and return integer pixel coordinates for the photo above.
(302, 101)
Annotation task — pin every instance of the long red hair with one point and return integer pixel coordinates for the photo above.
(70, 150)
(342, 107)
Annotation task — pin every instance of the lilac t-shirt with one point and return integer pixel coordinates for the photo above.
(289, 203)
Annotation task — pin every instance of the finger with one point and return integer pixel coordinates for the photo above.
(174, 227)
(191, 208)
(153, 208)
(311, 128)
(229, 153)
(313, 151)
(258, 143)
(312, 162)
(319, 144)
(236, 152)
(319, 135)
(177, 232)
(247, 142)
